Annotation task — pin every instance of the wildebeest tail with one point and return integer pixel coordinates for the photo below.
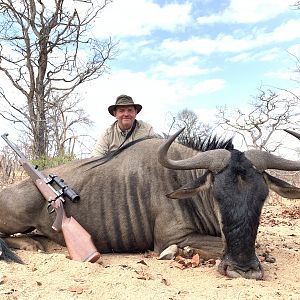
(7, 255)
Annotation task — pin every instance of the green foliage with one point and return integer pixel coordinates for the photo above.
(47, 163)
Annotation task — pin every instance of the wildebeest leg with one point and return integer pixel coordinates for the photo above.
(205, 245)
(23, 243)
(6, 254)
(23, 209)
(20, 206)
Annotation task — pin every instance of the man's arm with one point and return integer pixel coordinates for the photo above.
(146, 130)
(101, 146)
(151, 132)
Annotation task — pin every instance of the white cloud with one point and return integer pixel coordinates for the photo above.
(195, 45)
(283, 33)
(264, 55)
(294, 50)
(186, 68)
(226, 43)
(208, 86)
(245, 56)
(206, 46)
(284, 74)
(157, 97)
(161, 99)
(241, 11)
(140, 17)
(206, 115)
(167, 77)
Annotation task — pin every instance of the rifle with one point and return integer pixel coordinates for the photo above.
(78, 241)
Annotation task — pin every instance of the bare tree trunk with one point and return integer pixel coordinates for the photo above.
(39, 55)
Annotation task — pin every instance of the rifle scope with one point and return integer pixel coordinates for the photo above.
(65, 190)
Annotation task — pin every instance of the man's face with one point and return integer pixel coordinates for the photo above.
(125, 116)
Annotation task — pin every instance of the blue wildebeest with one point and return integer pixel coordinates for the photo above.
(125, 208)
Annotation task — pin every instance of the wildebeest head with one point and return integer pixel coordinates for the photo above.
(240, 186)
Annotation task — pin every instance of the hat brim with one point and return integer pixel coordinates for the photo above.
(112, 108)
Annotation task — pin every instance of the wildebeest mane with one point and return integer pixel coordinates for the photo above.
(200, 144)
(207, 143)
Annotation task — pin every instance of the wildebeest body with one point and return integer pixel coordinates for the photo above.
(130, 206)
(123, 204)
(125, 208)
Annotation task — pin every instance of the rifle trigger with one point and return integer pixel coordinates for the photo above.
(48, 209)
(50, 204)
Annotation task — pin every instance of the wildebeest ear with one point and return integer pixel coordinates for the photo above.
(281, 187)
(190, 189)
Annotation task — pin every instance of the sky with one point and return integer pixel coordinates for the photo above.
(194, 54)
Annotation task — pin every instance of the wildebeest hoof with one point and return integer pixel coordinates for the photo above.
(169, 253)
(233, 272)
(252, 274)
(188, 252)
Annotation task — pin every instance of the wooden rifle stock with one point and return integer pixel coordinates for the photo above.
(78, 241)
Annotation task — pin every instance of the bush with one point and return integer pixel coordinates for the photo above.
(47, 163)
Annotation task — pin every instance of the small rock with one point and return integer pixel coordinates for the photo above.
(270, 259)
(212, 261)
(269, 249)
(165, 281)
(218, 261)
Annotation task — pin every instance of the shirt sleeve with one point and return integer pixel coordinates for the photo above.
(151, 131)
(101, 146)
(147, 129)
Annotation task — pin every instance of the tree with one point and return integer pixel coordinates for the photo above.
(46, 52)
(297, 5)
(62, 119)
(268, 112)
(194, 129)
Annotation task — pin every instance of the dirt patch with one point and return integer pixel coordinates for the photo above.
(51, 275)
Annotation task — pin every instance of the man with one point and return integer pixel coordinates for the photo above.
(125, 129)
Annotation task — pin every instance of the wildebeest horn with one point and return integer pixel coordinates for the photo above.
(264, 160)
(213, 160)
(295, 134)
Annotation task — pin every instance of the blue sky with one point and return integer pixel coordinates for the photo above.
(195, 54)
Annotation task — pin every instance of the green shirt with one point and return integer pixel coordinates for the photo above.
(113, 137)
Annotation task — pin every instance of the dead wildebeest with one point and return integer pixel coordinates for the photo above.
(125, 208)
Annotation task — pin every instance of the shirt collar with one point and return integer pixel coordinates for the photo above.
(124, 133)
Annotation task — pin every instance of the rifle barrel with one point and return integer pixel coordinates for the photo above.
(12, 145)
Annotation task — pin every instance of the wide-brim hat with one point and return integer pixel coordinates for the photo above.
(124, 100)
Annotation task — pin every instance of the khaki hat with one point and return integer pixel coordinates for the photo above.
(124, 100)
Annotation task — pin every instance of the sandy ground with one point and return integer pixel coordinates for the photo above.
(50, 275)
